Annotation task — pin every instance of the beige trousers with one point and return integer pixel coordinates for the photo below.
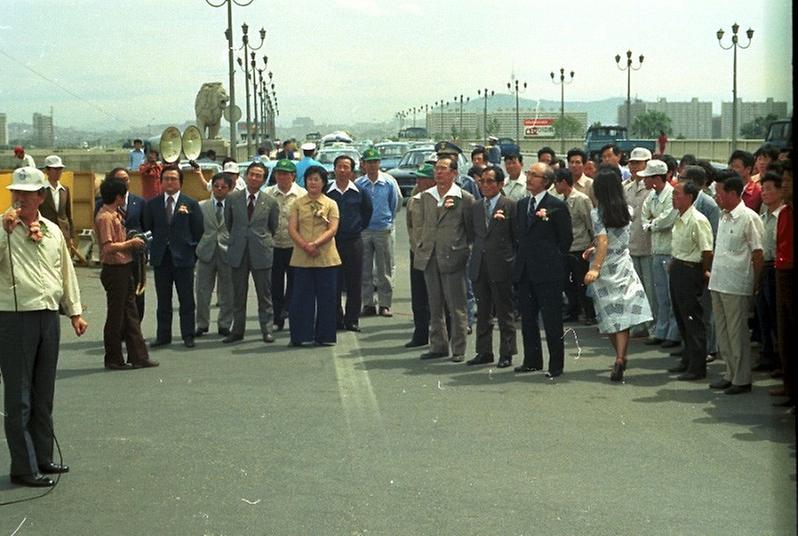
(731, 329)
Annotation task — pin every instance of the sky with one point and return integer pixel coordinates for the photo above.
(115, 64)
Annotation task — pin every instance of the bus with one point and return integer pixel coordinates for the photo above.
(413, 133)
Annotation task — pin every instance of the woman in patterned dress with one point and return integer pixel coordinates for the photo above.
(618, 295)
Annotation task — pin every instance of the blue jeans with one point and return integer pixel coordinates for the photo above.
(666, 327)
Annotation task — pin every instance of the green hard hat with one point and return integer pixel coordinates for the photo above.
(427, 171)
(371, 154)
(285, 165)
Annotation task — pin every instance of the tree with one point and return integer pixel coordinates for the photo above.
(596, 124)
(477, 134)
(649, 124)
(493, 126)
(571, 127)
(757, 128)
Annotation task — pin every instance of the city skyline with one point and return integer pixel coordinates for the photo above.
(95, 74)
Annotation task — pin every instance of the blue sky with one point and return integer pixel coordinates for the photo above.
(136, 63)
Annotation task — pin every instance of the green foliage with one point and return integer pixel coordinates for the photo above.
(649, 124)
(757, 128)
(493, 126)
(571, 127)
(596, 124)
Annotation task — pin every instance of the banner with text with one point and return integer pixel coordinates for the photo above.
(539, 128)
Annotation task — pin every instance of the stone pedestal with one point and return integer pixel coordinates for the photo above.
(220, 146)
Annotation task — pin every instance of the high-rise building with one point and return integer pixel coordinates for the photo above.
(692, 119)
(747, 112)
(43, 133)
(3, 130)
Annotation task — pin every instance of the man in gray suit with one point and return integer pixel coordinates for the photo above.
(491, 268)
(442, 254)
(252, 218)
(212, 265)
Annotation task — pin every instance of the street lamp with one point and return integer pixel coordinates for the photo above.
(734, 45)
(628, 70)
(562, 83)
(246, 46)
(461, 111)
(484, 93)
(517, 116)
(441, 104)
(228, 33)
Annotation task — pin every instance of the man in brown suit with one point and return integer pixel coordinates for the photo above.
(491, 268)
(442, 253)
(57, 204)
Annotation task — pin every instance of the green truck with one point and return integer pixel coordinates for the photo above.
(600, 135)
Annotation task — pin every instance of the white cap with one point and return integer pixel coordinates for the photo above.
(308, 146)
(230, 167)
(53, 161)
(640, 154)
(654, 167)
(493, 138)
(27, 179)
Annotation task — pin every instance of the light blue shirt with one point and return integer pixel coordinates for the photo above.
(135, 159)
(709, 208)
(302, 166)
(383, 200)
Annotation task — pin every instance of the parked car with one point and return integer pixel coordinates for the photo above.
(508, 146)
(599, 136)
(779, 134)
(327, 155)
(405, 172)
(390, 154)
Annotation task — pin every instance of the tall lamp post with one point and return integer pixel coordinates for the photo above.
(562, 84)
(517, 114)
(734, 45)
(246, 46)
(228, 33)
(484, 94)
(629, 68)
(460, 98)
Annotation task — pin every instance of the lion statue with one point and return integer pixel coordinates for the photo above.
(209, 105)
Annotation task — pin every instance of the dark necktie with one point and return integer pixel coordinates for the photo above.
(251, 206)
(122, 212)
(487, 213)
(530, 213)
(218, 212)
(170, 209)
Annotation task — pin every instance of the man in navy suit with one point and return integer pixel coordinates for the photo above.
(544, 238)
(177, 225)
(132, 211)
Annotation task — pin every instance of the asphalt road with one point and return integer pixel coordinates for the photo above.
(364, 438)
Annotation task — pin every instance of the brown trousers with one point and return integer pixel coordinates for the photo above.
(122, 318)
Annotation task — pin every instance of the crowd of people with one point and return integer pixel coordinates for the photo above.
(679, 252)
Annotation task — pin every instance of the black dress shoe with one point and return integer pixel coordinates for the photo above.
(570, 318)
(53, 468)
(268, 338)
(554, 374)
(458, 358)
(789, 403)
(670, 344)
(157, 342)
(481, 359)
(690, 376)
(677, 353)
(224, 332)
(469, 330)
(352, 327)
(720, 384)
(279, 326)
(504, 362)
(116, 366)
(653, 341)
(433, 355)
(232, 338)
(200, 332)
(386, 312)
(763, 367)
(678, 369)
(521, 369)
(737, 389)
(369, 310)
(32, 481)
(149, 363)
(188, 342)
(415, 344)
(590, 321)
